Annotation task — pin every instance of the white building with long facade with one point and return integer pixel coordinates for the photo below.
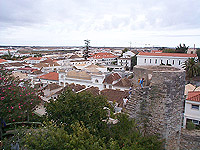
(154, 59)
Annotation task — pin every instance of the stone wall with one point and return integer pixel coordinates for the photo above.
(158, 108)
(190, 140)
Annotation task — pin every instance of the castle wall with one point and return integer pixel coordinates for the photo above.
(158, 108)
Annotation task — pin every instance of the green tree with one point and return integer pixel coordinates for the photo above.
(124, 51)
(198, 54)
(53, 137)
(191, 67)
(181, 49)
(133, 61)
(128, 135)
(71, 107)
(87, 47)
(169, 50)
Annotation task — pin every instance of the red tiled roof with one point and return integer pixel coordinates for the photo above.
(26, 68)
(156, 51)
(3, 60)
(50, 76)
(168, 54)
(194, 96)
(34, 58)
(103, 55)
(111, 77)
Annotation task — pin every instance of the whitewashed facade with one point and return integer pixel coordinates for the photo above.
(125, 62)
(174, 59)
(93, 80)
(192, 111)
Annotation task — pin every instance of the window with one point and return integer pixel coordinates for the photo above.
(179, 62)
(150, 60)
(156, 61)
(104, 86)
(167, 61)
(195, 107)
(145, 60)
(110, 86)
(195, 122)
(96, 81)
(173, 62)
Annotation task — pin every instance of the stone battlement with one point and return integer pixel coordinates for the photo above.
(158, 107)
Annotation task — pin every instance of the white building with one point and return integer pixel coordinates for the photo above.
(128, 54)
(125, 62)
(174, 59)
(7, 51)
(82, 78)
(192, 108)
(51, 77)
(103, 58)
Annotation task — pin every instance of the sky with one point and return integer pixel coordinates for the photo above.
(120, 23)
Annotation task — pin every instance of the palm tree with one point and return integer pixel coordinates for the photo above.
(191, 67)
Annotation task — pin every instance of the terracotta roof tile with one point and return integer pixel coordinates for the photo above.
(103, 55)
(194, 96)
(168, 54)
(111, 77)
(2, 60)
(50, 76)
(34, 58)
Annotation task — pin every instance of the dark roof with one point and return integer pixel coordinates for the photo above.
(52, 86)
(17, 64)
(124, 82)
(74, 56)
(76, 87)
(115, 95)
(48, 60)
(72, 86)
(37, 72)
(111, 77)
(92, 90)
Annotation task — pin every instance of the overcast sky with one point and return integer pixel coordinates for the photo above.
(104, 22)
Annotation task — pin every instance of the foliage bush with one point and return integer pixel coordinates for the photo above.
(18, 98)
(191, 125)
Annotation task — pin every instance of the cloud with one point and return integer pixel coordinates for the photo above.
(77, 19)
